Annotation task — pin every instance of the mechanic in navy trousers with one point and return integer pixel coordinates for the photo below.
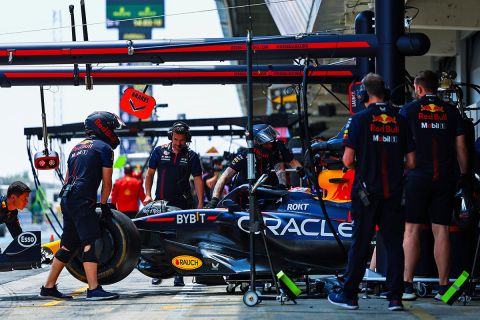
(175, 163)
(376, 141)
(89, 163)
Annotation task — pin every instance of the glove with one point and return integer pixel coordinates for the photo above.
(106, 211)
(300, 172)
(281, 187)
(212, 204)
(466, 182)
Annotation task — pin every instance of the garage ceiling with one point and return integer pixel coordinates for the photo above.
(444, 21)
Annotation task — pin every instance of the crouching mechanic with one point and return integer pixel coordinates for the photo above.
(17, 198)
(376, 141)
(89, 163)
(268, 156)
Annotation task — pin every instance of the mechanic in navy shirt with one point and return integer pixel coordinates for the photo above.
(175, 163)
(376, 141)
(16, 198)
(89, 163)
(429, 192)
(268, 156)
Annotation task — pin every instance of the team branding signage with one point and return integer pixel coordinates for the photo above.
(186, 262)
(311, 227)
(137, 103)
(27, 239)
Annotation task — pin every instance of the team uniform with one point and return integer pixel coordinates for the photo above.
(85, 164)
(10, 218)
(174, 170)
(430, 186)
(126, 193)
(380, 139)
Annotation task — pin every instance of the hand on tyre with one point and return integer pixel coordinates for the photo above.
(106, 211)
(212, 204)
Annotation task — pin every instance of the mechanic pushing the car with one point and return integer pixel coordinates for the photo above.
(127, 192)
(267, 155)
(16, 198)
(430, 187)
(376, 141)
(175, 163)
(89, 163)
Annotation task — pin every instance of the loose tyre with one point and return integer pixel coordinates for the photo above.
(117, 251)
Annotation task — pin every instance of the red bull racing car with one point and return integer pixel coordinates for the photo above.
(163, 240)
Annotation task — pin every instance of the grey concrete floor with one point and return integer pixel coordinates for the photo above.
(141, 300)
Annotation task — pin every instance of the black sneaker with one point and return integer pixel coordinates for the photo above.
(178, 281)
(408, 292)
(99, 294)
(441, 291)
(395, 305)
(53, 293)
(156, 281)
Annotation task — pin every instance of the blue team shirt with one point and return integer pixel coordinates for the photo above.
(435, 125)
(85, 164)
(174, 172)
(380, 138)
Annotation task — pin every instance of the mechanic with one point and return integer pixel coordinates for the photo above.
(268, 154)
(127, 192)
(89, 163)
(175, 162)
(210, 177)
(16, 198)
(376, 141)
(429, 191)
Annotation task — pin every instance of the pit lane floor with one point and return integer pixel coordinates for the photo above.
(138, 298)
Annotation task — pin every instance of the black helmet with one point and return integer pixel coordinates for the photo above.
(102, 124)
(466, 208)
(264, 133)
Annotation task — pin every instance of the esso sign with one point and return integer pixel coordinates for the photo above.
(27, 239)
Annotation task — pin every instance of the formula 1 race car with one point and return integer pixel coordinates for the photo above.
(163, 240)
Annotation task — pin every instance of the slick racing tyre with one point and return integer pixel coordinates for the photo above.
(148, 268)
(117, 251)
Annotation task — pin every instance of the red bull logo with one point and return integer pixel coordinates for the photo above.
(384, 119)
(433, 108)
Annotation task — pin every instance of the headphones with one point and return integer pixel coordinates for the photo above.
(181, 128)
(362, 94)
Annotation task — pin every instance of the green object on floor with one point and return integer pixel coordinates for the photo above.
(289, 283)
(455, 289)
